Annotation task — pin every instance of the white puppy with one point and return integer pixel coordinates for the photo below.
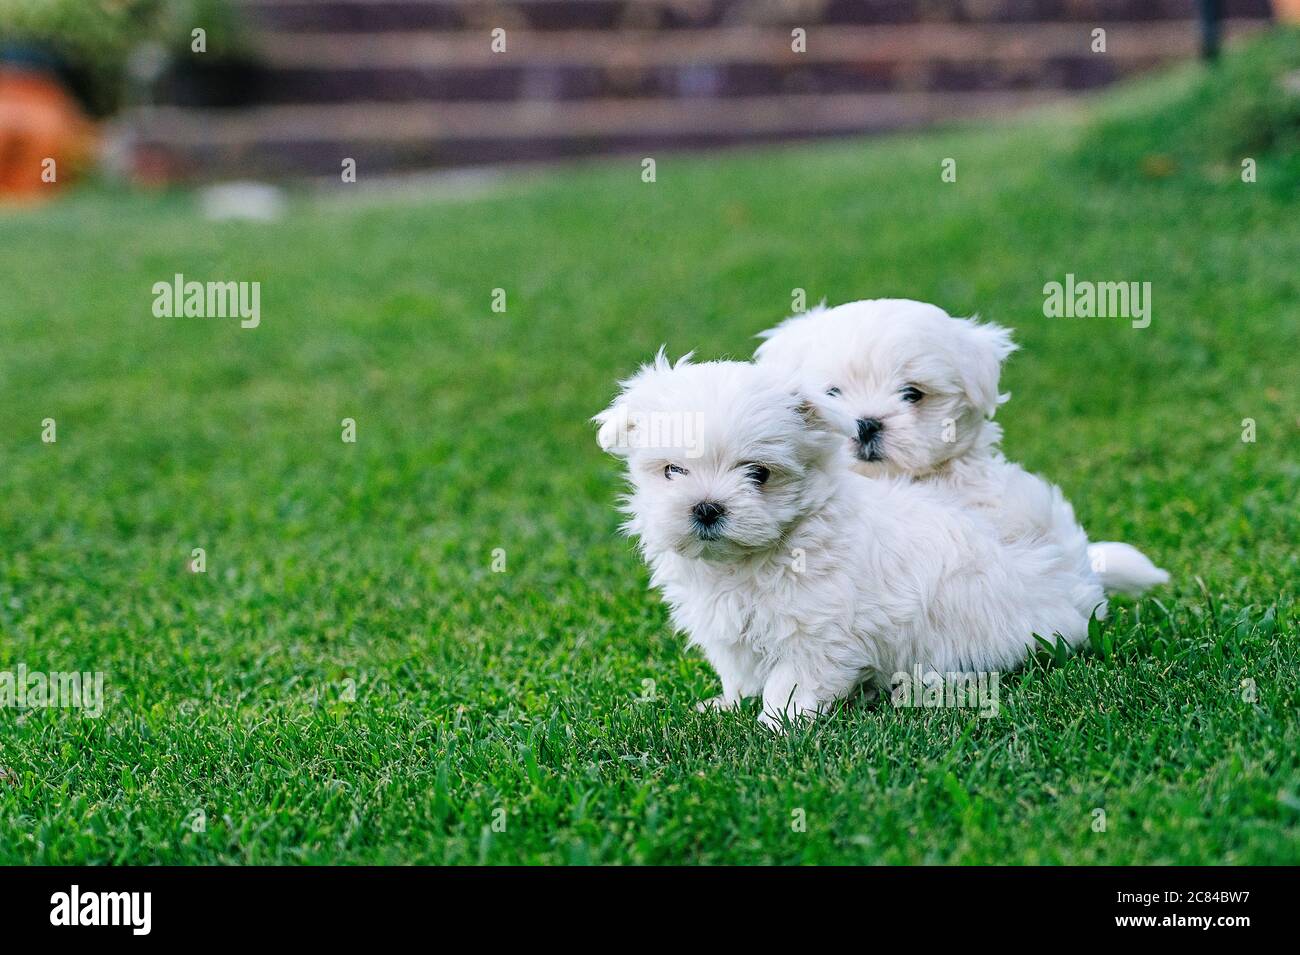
(801, 580)
(918, 389)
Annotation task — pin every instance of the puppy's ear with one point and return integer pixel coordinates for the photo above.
(786, 341)
(983, 349)
(616, 432)
(615, 429)
(820, 415)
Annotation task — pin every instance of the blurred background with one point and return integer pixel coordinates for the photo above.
(162, 91)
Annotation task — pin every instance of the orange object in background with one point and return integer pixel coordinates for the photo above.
(1288, 11)
(39, 121)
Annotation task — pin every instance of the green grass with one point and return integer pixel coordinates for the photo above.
(526, 691)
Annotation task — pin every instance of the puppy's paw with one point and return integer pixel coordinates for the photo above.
(717, 703)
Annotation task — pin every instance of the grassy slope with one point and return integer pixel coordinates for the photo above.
(520, 691)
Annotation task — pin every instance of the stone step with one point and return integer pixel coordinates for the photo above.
(314, 140)
(738, 61)
(363, 16)
(626, 49)
(726, 81)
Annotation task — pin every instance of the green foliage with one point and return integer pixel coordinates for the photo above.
(1203, 122)
(96, 39)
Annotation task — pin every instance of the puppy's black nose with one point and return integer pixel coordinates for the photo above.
(868, 428)
(706, 513)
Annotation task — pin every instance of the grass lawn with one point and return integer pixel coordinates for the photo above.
(350, 680)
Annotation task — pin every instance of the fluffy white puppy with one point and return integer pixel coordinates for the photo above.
(918, 389)
(801, 580)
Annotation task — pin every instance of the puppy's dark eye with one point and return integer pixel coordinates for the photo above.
(911, 394)
(671, 469)
(833, 391)
(758, 473)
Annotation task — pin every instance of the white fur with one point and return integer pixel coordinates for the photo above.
(821, 580)
(869, 351)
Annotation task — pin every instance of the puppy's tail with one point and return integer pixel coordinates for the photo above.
(1124, 569)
